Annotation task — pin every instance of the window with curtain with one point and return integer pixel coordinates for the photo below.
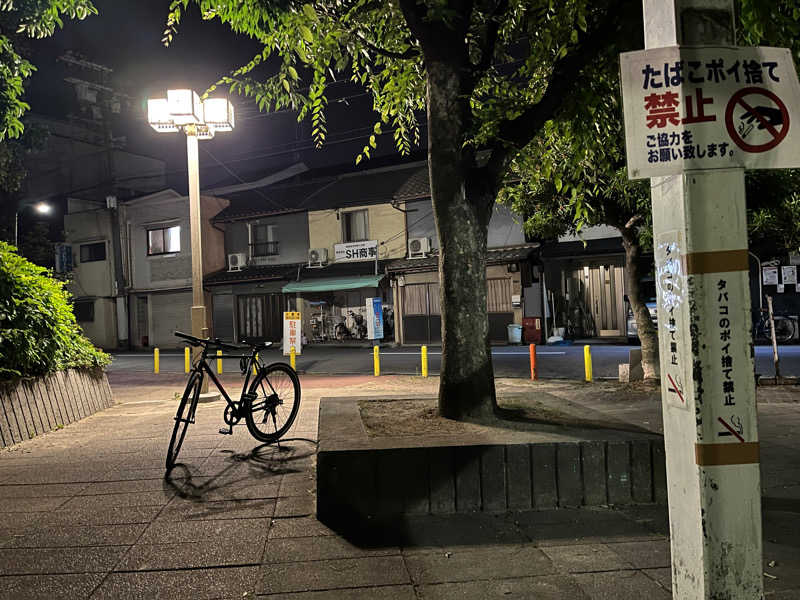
(164, 240)
(498, 295)
(354, 226)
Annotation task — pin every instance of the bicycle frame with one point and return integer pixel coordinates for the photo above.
(201, 366)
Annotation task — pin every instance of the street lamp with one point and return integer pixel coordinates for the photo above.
(199, 120)
(43, 208)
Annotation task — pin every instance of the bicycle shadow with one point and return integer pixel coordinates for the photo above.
(263, 463)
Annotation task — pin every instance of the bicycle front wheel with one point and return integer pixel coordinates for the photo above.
(784, 330)
(183, 417)
(273, 403)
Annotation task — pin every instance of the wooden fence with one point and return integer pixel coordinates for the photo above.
(30, 407)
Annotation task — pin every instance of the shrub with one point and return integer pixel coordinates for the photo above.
(38, 330)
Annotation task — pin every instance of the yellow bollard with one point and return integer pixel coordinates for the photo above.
(255, 366)
(187, 360)
(376, 359)
(155, 361)
(424, 361)
(219, 362)
(587, 362)
(292, 357)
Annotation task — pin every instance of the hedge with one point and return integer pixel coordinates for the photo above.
(38, 330)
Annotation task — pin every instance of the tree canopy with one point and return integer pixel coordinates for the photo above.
(21, 20)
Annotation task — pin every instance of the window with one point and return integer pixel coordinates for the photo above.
(93, 252)
(166, 240)
(263, 240)
(84, 311)
(354, 226)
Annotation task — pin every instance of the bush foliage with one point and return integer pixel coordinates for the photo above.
(38, 330)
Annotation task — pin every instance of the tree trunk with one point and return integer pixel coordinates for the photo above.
(466, 384)
(647, 332)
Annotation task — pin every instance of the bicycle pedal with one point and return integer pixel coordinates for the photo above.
(226, 431)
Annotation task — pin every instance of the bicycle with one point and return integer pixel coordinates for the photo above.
(784, 328)
(274, 390)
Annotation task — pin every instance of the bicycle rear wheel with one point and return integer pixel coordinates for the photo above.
(274, 402)
(183, 417)
(784, 330)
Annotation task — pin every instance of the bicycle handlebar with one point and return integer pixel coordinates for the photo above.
(217, 343)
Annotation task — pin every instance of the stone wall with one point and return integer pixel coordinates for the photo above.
(30, 407)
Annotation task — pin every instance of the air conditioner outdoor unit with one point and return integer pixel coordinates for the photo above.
(317, 257)
(236, 262)
(418, 247)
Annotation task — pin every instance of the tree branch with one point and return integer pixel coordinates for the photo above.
(633, 221)
(514, 134)
(490, 40)
(410, 53)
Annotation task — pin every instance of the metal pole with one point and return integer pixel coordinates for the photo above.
(707, 389)
(16, 231)
(199, 327)
(774, 340)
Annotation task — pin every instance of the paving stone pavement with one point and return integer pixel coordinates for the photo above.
(87, 513)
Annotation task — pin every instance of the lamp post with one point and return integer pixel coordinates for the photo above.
(43, 208)
(183, 110)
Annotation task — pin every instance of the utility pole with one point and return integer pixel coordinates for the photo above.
(707, 387)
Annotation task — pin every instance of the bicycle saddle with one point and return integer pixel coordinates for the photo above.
(256, 345)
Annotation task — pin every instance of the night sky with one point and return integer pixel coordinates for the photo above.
(126, 36)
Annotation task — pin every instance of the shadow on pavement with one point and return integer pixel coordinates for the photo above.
(263, 462)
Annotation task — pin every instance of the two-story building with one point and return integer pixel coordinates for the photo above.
(131, 266)
(323, 245)
(158, 263)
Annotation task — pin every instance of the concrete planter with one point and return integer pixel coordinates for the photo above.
(30, 407)
(360, 478)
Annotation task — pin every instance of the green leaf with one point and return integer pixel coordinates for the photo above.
(309, 12)
(306, 33)
(285, 83)
(292, 72)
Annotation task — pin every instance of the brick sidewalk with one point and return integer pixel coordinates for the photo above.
(88, 514)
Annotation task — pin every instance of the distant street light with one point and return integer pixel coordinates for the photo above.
(199, 120)
(43, 208)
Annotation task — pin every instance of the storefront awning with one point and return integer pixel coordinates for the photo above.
(331, 284)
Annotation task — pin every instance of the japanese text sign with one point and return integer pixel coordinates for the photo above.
(292, 333)
(709, 108)
(353, 251)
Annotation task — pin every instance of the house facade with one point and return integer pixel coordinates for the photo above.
(158, 263)
(130, 266)
(326, 246)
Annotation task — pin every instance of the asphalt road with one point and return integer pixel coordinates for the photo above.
(564, 362)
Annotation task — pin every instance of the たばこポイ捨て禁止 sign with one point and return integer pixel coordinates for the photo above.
(709, 108)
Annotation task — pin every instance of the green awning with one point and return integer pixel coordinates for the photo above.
(331, 284)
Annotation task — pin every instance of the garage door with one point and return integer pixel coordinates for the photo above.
(170, 313)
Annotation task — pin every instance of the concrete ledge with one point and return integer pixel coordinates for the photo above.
(30, 407)
(361, 477)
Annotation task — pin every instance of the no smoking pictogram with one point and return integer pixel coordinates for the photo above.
(757, 109)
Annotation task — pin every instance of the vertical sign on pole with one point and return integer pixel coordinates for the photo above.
(292, 333)
(374, 318)
(698, 111)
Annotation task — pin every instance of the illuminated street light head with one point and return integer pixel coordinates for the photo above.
(183, 109)
(43, 208)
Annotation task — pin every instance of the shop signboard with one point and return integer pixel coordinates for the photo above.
(356, 251)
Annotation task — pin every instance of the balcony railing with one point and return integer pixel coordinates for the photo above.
(264, 249)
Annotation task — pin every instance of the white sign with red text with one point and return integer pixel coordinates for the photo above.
(292, 333)
(709, 108)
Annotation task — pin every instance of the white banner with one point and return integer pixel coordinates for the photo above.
(354, 251)
(709, 108)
